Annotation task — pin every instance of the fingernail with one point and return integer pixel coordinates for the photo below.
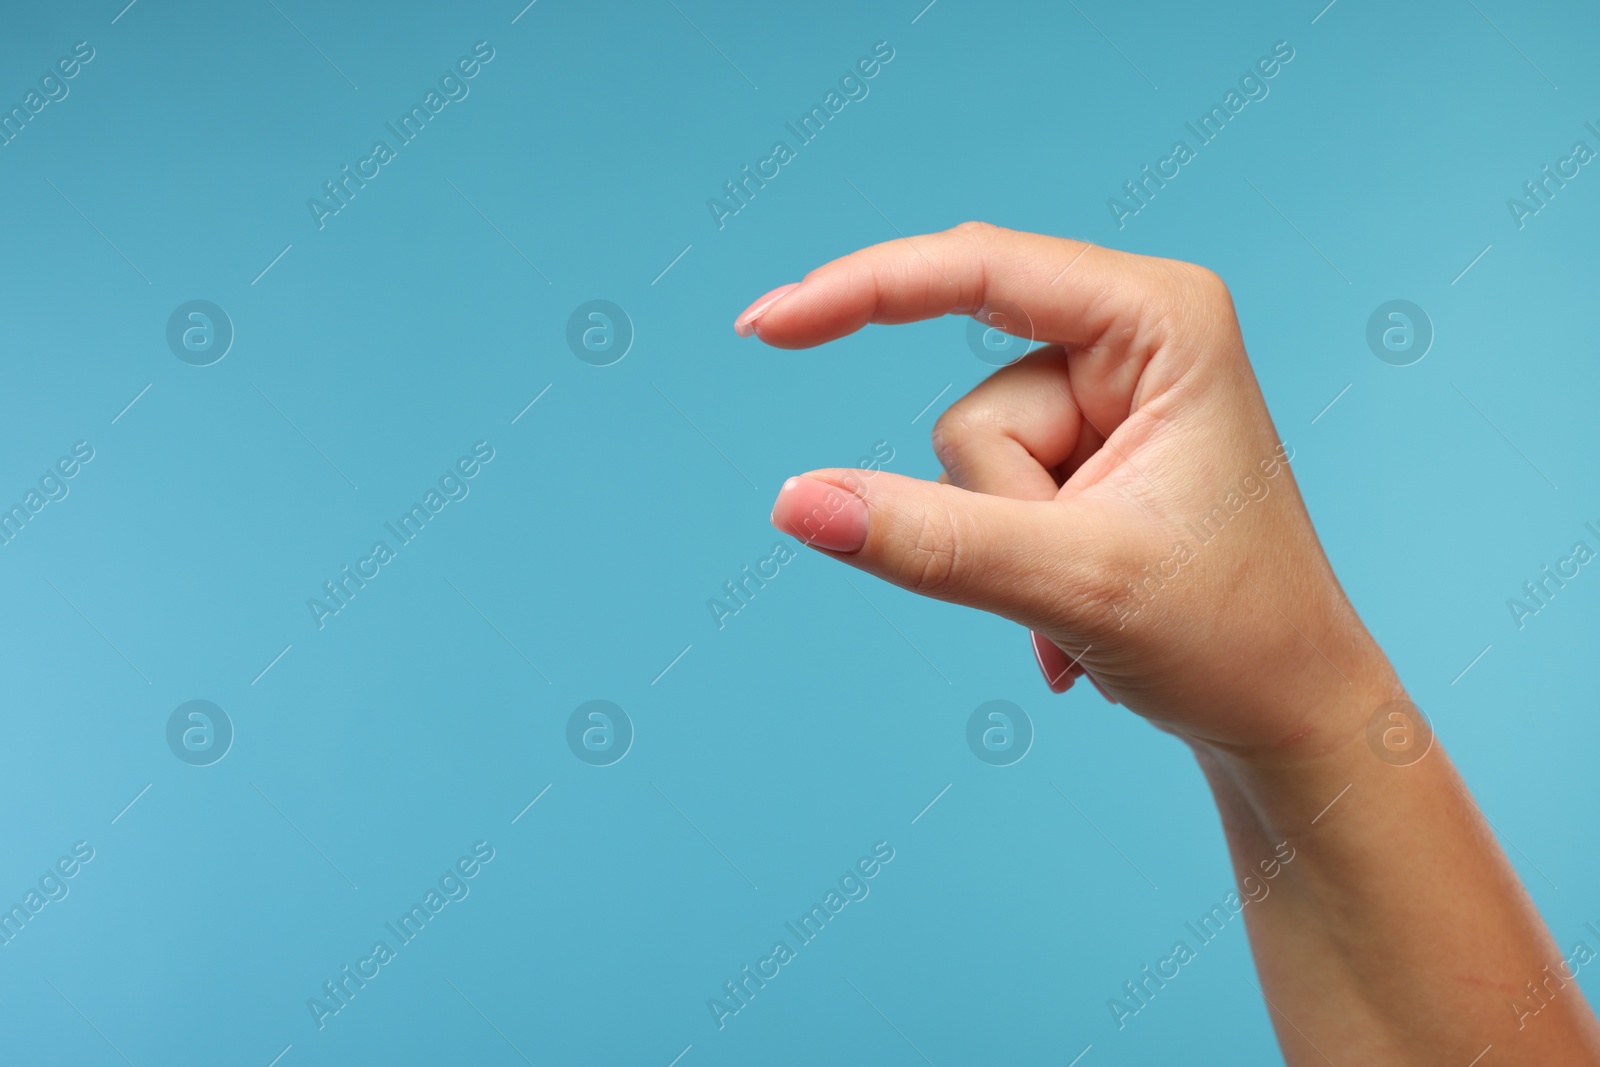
(1053, 663)
(820, 514)
(745, 324)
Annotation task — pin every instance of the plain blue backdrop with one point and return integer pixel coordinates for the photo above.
(770, 754)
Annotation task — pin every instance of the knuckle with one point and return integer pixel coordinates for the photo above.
(954, 433)
(976, 228)
(1205, 286)
(1211, 284)
(1187, 297)
(931, 563)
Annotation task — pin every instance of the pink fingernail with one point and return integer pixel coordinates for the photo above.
(820, 514)
(1053, 663)
(745, 324)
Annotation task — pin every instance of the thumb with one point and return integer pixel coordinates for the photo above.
(1040, 563)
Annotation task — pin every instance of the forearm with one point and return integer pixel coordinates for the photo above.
(1399, 933)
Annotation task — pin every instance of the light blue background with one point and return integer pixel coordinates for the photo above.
(777, 750)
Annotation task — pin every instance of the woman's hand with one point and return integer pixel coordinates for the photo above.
(1121, 491)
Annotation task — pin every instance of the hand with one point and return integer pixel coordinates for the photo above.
(1120, 491)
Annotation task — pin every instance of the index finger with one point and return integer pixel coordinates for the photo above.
(1073, 293)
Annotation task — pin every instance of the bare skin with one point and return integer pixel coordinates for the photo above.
(1123, 493)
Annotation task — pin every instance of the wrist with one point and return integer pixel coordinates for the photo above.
(1332, 736)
